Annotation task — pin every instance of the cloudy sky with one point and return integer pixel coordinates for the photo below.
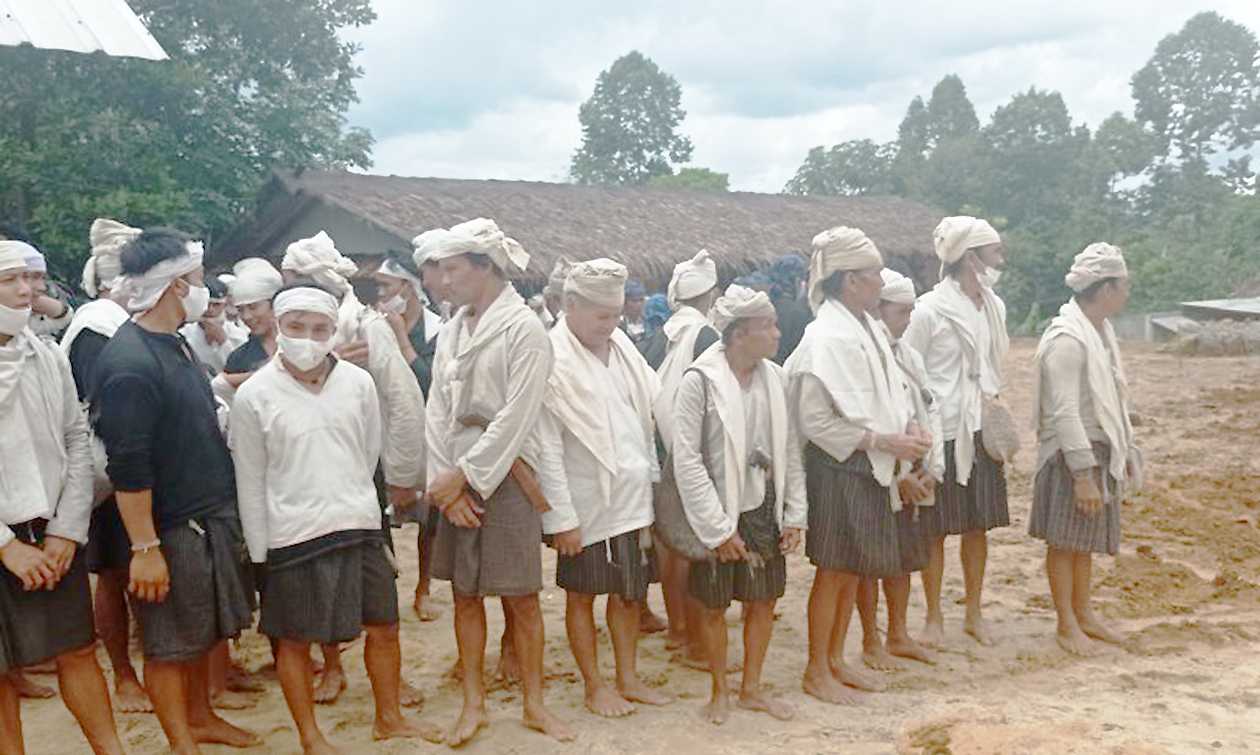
(491, 89)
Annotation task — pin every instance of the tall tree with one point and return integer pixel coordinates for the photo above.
(855, 167)
(950, 113)
(630, 125)
(695, 179)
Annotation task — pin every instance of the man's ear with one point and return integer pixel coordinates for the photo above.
(181, 287)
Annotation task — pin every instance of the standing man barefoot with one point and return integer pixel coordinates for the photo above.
(490, 377)
(1087, 460)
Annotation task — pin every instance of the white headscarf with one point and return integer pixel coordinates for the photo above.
(306, 299)
(600, 281)
(317, 258)
(739, 303)
(35, 261)
(559, 273)
(255, 280)
(13, 254)
(477, 236)
(144, 291)
(391, 268)
(955, 235)
(839, 249)
(1095, 263)
(107, 237)
(692, 278)
(898, 289)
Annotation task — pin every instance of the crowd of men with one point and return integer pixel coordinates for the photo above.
(230, 451)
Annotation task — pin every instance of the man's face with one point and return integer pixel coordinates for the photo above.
(866, 286)
(310, 325)
(758, 337)
(1117, 294)
(15, 289)
(464, 281)
(634, 309)
(214, 310)
(593, 324)
(38, 281)
(389, 285)
(896, 316)
(257, 317)
(992, 255)
(431, 279)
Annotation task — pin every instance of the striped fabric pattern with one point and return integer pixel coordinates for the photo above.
(978, 506)
(1055, 518)
(501, 557)
(852, 527)
(716, 584)
(617, 566)
(331, 597)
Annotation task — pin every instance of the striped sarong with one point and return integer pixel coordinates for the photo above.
(1055, 518)
(978, 506)
(501, 557)
(616, 566)
(39, 625)
(852, 527)
(716, 584)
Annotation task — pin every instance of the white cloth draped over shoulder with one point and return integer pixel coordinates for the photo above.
(681, 331)
(102, 316)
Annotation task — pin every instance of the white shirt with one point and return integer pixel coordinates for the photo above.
(757, 428)
(305, 460)
(214, 356)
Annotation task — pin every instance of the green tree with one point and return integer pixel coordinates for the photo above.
(696, 179)
(630, 125)
(851, 168)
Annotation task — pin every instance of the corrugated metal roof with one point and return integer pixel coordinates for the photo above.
(109, 26)
(1223, 308)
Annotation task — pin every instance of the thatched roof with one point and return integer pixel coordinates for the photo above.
(648, 229)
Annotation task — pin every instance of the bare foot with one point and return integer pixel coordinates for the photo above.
(855, 677)
(405, 728)
(240, 680)
(331, 684)
(455, 672)
(908, 648)
(541, 719)
(1076, 643)
(978, 628)
(229, 700)
(717, 711)
(933, 635)
(638, 692)
(701, 663)
(674, 641)
(424, 609)
(605, 701)
(471, 720)
(47, 667)
(509, 669)
(322, 747)
(879, 659)
(409, 696)
(219, 732)
(130, 697)
(29, 689)
(829, 690)
(650, 623)
(1101, 632)
(762, 703)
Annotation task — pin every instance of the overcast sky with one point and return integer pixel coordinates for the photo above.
(491, 89)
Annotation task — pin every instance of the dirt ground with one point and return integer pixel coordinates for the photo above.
(1186, 586)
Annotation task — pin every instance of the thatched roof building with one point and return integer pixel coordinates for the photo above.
(647, 229)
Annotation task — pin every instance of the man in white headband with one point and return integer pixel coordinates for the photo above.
(959, 327)
(600, 393)
(916, 484)
(212, 338)
(254, 283)
(45, 506)
(309, 511)
(858, 428)
(49, 314)
(431, 278)
(489, 380)
(1087, 458)
(173, 479)
(737, 461)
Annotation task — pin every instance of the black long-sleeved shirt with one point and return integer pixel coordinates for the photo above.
(153, 409)
(84, 352)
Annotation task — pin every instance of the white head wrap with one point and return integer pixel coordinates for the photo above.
(898, 289)
(255, 280)
(144, 291)
(226, 279)
(317, 258)
(1096, 262)
(839, 249)
(476, 236)
(559, 273)
(13, 254)
(306, 299)
(392, 269)
(35, 261)
(107, 237)
(738, 303)
(692, 278)
(601, 281)
(955, 235)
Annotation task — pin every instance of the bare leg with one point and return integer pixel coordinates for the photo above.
(205, 724)
(332, 682)
(220, 696)
(10, 718)
(900, 644)
(84, 692)
(423, 606)
(623, 624)
(470, 636)
(824, 600)
(167, 685)
(650, 623)
(934, 623)
(1059, 567)
(674, 588)
(297, 682)
(579, 623)
(1082, 572)
(758, 624)
(383, 658)
(843, 672)
(873, 653)
(509, 669)
(975, 552)
(714, 628)
(114, 625)
(29, 689)
(527, 626)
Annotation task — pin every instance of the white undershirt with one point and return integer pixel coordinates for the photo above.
(757, 428)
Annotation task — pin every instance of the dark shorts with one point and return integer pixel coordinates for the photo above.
(211, 598)
(1055, 518)
(109, 547)
(616, 566)
(38, 625)
(978, 506)
(330, 591)
(501, 557)
(716, 584)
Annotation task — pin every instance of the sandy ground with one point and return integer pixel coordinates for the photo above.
(1186, 586)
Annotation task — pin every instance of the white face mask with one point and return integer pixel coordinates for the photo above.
(989, 277)
(13, 321)
(394, 305)
(303, 353)
(195, 302)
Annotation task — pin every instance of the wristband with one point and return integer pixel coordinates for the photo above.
(146, 547)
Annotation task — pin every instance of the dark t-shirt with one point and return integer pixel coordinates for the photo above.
(84, 352)
(794, 315)
(655, 347)
(153, 409)
(425, 348)
(247, 357)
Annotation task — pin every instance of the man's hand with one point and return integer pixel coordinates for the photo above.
(1085, 491)
(913, 489)
(355, 352)
(903, 446)
(464, 512)
(150, 580)
(60, 552)
(732, 550)
(400, 497)
(447, 487)
(790, 540)
(568, 543)
(398, 324)
(48, 306)
(215, 334)
(29, 564)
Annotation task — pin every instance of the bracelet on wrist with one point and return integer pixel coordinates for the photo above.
(146, 547)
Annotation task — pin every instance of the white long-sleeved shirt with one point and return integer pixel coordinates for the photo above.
(45, 456)
(305, 460)
(211, 355)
